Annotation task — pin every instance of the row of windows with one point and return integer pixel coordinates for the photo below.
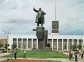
(24, 39)
(66, 40)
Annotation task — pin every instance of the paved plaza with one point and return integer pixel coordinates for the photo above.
(55, 59)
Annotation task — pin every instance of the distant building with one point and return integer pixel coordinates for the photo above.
(56, 42)
(3, 40)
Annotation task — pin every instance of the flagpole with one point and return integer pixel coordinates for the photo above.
(55, 10)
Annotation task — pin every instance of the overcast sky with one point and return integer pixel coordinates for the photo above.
(18, 17)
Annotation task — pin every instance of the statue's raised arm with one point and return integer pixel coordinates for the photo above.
(35, 10)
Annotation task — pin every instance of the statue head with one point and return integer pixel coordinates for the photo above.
(39, 9)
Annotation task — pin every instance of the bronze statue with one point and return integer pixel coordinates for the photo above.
(39, 16)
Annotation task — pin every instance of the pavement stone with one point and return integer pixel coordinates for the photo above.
(60, 59)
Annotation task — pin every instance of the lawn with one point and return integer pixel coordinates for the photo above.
(40, 54)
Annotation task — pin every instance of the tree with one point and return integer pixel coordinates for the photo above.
(6, 46)
(70, 46)
(79, 46)
(14, 46)
(1, 45)
(74, 47)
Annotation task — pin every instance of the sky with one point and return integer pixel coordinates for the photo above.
(18, 17)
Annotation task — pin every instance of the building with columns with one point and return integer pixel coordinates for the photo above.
(56, 42)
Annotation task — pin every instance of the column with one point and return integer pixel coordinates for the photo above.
(22, 43)
(72, 41)
(67, 44)
(32, 43)
(37, 43)
(77, 42)
(27, 43)
(62, 44)
(52, 44)
(17, 43)
(57, 44)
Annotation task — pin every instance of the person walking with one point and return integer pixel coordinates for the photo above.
(70, 54)
(82, 52)
(76, 57)
(24, 56)
(11, 54)
(15, 53)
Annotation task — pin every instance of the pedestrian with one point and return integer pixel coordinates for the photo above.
(11, 54)
(15, 54)
(82, 52)
(70, 54)
(76, 57)
(24, 56)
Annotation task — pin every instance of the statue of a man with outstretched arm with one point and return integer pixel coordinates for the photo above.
(39, 16)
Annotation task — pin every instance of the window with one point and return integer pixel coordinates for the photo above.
(14, 39)
(24, 39)
(19, 39)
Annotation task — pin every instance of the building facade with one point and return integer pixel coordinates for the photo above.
(3, 40)
(56, 42)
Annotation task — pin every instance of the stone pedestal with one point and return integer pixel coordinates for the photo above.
(42, 36)
(40, 32)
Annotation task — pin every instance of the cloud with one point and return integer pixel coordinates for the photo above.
(17, 16)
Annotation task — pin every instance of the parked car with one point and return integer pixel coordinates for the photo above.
(3, 50)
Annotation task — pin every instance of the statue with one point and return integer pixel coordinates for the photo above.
(41, 33)
(39, 16)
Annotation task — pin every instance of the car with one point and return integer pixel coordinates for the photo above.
(2, 50)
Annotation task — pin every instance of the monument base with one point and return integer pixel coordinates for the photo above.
(42, 43)
(40, 32)
(42, 36)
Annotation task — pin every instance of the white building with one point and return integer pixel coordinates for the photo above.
(57, 42)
